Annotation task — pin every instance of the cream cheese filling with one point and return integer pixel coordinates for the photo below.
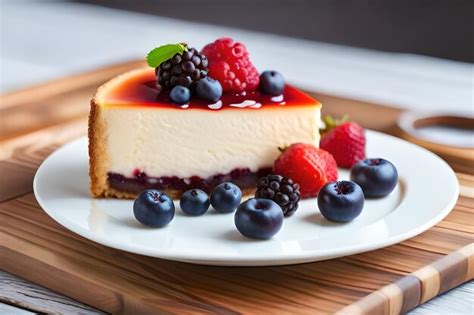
(190, 142)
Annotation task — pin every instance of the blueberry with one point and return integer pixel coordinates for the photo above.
(226, 197)
(377, 177)
(272, 83)
(180, 94)
(209, 89)
(194, 202)
(153, 208)
(341, 201)
(259, 218)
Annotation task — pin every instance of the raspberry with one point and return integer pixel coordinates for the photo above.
(308, 166)
(229, 63)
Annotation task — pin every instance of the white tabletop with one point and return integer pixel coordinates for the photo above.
(46, 40)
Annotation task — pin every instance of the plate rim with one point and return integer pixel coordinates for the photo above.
(254, 260)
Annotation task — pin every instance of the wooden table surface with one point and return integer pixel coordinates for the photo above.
(34, 129)
(24, 297)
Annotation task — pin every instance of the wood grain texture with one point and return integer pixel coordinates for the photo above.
(410, 291)
(21, 115)
(34, 247)
(457, 301)
(34, 298)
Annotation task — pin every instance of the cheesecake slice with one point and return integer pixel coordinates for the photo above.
(139, 139)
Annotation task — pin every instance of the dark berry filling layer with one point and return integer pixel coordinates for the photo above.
(242, 177)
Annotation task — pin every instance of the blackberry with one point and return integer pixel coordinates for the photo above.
(183, 69)
(280, 189)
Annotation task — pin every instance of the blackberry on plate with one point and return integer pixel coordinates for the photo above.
(183, 69)
(280, 189)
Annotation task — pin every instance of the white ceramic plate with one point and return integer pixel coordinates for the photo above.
(426, 193)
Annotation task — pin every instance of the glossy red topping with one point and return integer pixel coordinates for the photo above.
(140, 89)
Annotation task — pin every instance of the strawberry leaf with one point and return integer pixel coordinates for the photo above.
(160, 54)
(331, 123)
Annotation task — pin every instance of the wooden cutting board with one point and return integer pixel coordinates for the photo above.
(35, 121)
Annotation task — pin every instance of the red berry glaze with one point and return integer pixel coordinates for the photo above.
(308, 166)
(346, 143)
(229, 63)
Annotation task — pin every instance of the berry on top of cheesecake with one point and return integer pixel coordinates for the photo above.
(222, 66)
(229, 62)
(185, 68)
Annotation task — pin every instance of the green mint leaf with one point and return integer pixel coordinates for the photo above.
(160, 54)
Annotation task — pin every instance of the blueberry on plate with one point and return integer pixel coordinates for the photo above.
(209, 89)
(272, 83)
(377, 177)
(153, 208)
(259, 218)
(341, 201)
(180, 95)
(226, 197)
(194, 202)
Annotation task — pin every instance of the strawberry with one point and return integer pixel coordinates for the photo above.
(308, 166)
(344, 140)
